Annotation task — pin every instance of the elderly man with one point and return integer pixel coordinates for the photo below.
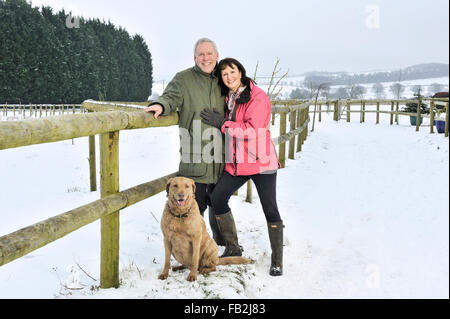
(189, 92)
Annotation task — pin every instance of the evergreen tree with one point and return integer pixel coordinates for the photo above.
(44, 60)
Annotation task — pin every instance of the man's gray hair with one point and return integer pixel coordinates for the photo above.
(203, 40)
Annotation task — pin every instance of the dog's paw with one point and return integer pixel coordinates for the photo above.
(163, 276)
(192, 277)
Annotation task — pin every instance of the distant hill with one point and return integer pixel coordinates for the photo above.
(414, 72)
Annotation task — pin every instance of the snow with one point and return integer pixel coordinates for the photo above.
(365, 207)
(287, 87)
(408, 93)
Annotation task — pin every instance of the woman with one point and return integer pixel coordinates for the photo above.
(250, 154)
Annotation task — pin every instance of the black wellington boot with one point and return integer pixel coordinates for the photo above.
(276, 243)
(227, 229)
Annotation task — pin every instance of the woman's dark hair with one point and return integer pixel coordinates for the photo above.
(231, 63)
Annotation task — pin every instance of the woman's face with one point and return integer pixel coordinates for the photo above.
(231, 76)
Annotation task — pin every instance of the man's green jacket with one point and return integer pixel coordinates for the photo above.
(189, 92)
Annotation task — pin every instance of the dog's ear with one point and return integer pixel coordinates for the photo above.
(193, 187)
(168, 186)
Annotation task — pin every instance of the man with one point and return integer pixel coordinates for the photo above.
(189, 92)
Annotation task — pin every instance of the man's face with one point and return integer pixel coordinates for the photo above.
(206, 57)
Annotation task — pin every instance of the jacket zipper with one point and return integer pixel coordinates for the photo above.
(233, 118)
(211, 79)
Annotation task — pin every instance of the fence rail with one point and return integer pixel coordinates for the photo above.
(107, 119)
(25, 240)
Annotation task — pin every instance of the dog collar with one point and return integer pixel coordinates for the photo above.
(180, 216)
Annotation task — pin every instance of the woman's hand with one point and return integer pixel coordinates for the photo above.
(213, 118)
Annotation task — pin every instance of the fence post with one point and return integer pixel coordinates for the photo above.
(305, 118)
(292, 140)
(109, 184)
(320, 112)
(299, 123)
(363, 111)
(431, 117)
(396, 114)
(446, 120)
(392, 114)
(92, 164)
(348, 111)
(418, 113)
(282, 147)
(336, 110)
(378, 113)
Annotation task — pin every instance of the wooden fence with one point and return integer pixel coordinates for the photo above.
(108, 119)
(344, 106)
(39, 110)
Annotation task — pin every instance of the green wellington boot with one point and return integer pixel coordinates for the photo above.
(217, 236)
(227, 229)
(276, 243)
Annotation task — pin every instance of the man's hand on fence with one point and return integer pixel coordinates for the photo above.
(213, 118)
(157, 108)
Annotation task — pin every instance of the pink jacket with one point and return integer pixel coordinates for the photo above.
(249, 148)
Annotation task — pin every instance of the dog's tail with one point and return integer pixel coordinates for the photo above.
(233, 260)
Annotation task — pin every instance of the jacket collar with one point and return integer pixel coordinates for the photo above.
(245, 95)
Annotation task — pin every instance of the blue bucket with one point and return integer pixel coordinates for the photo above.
(440, 126)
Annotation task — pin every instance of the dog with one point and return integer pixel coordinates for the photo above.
(185, 234)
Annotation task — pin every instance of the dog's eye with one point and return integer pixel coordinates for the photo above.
(186, 186)
(175, 185)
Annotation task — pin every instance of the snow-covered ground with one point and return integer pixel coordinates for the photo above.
(365, 207)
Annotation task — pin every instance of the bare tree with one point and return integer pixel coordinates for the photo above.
(299, 93)
(434, 88)
(270, 90)
(341, 93)
(416, 88)
(378, 90)
(326, 91)
(397, 89)
(357, 91)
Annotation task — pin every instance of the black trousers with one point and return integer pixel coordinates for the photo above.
(265, 185)
(202, 195)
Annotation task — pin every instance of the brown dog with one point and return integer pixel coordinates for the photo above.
(185, 235)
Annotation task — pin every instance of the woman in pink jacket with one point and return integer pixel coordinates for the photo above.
(249, 154)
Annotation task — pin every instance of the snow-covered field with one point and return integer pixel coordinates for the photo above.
(365, 207)
(291, 83)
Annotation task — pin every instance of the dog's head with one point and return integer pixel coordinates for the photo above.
(180, 192)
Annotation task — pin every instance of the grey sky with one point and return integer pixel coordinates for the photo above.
(323, 35)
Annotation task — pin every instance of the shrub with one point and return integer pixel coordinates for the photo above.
(411, 107)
